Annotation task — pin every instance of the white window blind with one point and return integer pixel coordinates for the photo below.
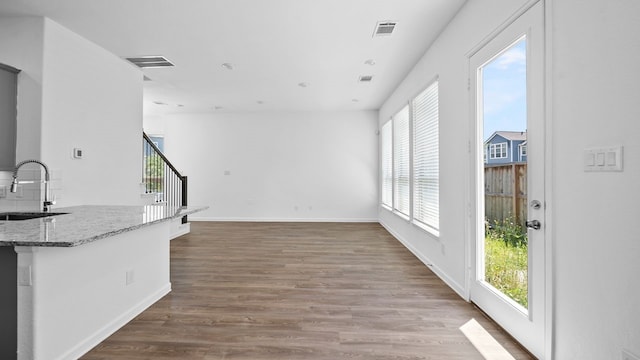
(386, 145)
(401, 170)
(426, 198)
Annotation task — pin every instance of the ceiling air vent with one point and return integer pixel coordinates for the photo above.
(365, 78)
(150, 61)
(384, 28)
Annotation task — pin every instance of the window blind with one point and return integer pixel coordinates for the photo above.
(401, 170)
(386, 143)
(426, 198)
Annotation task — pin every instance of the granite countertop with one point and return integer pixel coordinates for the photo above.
(84, 224)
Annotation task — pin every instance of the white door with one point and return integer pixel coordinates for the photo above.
(508, 192)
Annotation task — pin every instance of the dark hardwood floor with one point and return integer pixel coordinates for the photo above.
(299, 291)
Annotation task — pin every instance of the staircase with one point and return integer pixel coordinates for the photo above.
(161, 179)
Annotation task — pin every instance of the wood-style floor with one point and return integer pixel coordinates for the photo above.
(299, 291)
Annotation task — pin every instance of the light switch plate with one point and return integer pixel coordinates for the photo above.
(3, 191)
(603, 159)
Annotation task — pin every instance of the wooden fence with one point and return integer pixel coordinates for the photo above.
(505, 192)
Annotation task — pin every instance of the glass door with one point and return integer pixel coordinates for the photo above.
(507, 276)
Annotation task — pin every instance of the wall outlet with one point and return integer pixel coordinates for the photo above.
(131, 277)
(24, 276)
(626, 355)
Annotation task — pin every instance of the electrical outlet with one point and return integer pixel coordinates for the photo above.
(626, 355)
(24, 276)
(131, 277)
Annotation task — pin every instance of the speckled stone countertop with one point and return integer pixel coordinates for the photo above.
(85, 224)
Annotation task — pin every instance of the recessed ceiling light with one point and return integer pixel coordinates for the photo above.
(227, 66)
(150, 61)
(218, 108)
(304, 84)
(365, 78)
(370, 62)
(260, 102)
(179, 105)
(355, 100)
(160, 103)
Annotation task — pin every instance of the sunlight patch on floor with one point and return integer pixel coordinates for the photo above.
(484, 342)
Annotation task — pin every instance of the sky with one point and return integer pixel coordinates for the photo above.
(504, 89)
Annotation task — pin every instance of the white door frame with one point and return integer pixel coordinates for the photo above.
(548, 151)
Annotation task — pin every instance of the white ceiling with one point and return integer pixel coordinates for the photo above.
(273, 45)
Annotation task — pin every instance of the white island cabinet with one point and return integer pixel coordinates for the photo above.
(72, 280)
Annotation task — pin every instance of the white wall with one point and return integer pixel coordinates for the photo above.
(72, 93)
(281, 166)
(594, 87)
(596, 91)
(447, 59)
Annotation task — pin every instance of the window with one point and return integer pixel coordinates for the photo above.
(523, 151)
(426, 171)
(410, 161)
(386, 143)
(498, 151)
(401, 170)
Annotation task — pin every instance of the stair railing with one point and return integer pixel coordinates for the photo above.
(161, 178)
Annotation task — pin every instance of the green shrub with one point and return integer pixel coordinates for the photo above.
(509, 231)
(506, 261)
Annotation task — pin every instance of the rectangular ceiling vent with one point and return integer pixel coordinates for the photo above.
(150, 61)
(384, 28)
(365, 78)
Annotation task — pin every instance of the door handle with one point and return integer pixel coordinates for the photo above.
(533, 224)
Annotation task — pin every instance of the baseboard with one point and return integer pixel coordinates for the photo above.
(425, 260)
(96, 338)
(339, 220)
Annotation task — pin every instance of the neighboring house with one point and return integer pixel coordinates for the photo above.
(504, 147)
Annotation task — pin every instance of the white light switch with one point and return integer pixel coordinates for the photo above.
(603, 159)
(589, 159)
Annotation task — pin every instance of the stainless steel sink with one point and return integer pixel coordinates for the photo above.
(17, 216)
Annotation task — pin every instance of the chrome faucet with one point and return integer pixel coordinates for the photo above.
(46, 205)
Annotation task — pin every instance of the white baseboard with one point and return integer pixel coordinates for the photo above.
(339, 220)
(96, 338)
(425, 260)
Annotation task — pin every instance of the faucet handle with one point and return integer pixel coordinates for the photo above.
(46, 205)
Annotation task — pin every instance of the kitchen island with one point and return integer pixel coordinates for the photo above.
(69, 281)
